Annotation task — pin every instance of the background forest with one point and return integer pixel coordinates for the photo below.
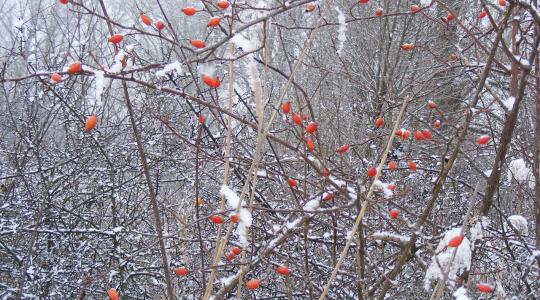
(250, 149)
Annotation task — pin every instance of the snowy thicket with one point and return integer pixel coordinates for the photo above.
(122, 175)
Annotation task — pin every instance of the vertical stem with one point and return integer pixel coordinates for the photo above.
(197, 204)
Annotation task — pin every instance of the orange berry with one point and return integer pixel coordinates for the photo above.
(74, 68)
(502, 2)
(484, 288)
(146, 20)
(90, 123)
(213, 22)
(198, 44)
(113, 294)
(412, 166)
(407, 47)
(253, 284)
(56, 78)
(310, 7)
(223, 4)
(189, 11)
(379, 122)
(211, 81)
(392, 166)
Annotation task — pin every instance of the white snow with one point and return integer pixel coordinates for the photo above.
(461, 294)
(100, 83)
(383, 188)
(170, 68)
(519, 223)
(509, 102)
(245, 219)
(461, 262)
(118, 58)
(242, 42)
(518, 170)
(477, 231)
(342, 29)
(232, 198)
(384, 235)
(312, 204)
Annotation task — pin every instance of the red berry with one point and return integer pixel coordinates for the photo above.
(282, 270)
(64, 1)
(483, 140)
(427, 135)
(200, 119)
(391, 186)
(210, 81)
(113, 294)
(160, 25)
(482, 14)
(328, 196)
(407, 47)
(146, 20)
(74, 68)
(230, 257)
(213, 22)
(181, 271)
(234, 218)
(431, 104)
(311, 127)
(292, 182)
(450, 17)
(437, 124)
(56, 78)
(418, 135)
(363, 1)
(415, 8)
(372, 172)
(484, 288)
(405, 134)
(310, 7)
(379, 122)
(378, 12)
(343, 148)
(412, 166)
(502, 2)
(392, 165)
(115, 39)
(198, 44)
(309, 144)
(216, 219)
(90, 123)
(394, 213)
(296, 119)
(223, 4)
(455, 241)
(286, 107)
(189, 11)
(236, 250)
(253, 284)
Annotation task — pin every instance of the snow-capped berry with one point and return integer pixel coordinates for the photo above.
(431, 104)
(379, 12)
(189, 11)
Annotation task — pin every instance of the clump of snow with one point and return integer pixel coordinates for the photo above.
(509, 102)
(342, 29)
(312, 204)
(245, 219)
(461, 262)
(388, 236)
(461, 294)
(518, 169)
(519, 223)
(170, 68)
(477, 231)
(100, 84)
(118, 59)
(242, 42)
(383, 188)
